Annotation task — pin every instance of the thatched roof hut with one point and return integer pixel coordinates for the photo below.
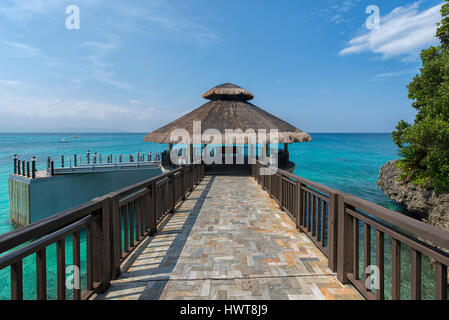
(229, 109)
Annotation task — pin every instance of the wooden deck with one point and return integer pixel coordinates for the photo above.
(228, 240)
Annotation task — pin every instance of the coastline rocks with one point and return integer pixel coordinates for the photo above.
(424, 201)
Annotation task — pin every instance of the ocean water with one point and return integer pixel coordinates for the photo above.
(347, 162)
(43, 145)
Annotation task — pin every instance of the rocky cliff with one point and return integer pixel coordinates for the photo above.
(424, 201)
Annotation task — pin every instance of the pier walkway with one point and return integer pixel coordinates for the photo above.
(228, 240)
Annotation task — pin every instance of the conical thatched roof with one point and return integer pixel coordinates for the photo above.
(229, 109)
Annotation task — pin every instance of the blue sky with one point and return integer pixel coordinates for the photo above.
(136, 65)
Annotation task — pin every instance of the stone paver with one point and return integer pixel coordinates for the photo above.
(228, 240)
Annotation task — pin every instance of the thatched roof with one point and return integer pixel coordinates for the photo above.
(229, 109)
(228, 91)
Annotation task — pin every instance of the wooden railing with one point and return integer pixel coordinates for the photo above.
(346, 228)
(112, 227)
(311, 206)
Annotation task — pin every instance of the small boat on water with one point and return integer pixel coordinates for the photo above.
(63, 140)
(74, 137)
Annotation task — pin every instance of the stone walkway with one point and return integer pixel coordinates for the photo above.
(228, 240)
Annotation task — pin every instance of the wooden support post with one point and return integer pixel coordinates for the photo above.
(23, 168)
(75, 161)
(153, 207)
(60, 269)
(332, 229)
(105, 237)
(345, 247)
(76, 252)
(300, 204)
(52, 168)
(28, 169)
(173, 193)
(223, 153)
(62, 161)
(19, 166)
(17, 281)
(415, 275)
(280, 195)
(41, 274)
(116, 236)
(440, 281)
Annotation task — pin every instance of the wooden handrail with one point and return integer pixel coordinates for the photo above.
(33, 247)
(102, 218)
(319, 210)
(418, 228)
(15, 238)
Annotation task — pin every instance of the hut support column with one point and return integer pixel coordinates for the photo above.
(223, 154)
(191, 153)
(287, 155)
(203, 153)
(170, 148)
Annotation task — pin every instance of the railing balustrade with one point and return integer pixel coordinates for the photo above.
(112, 226)
(364, 243)
(343, 226)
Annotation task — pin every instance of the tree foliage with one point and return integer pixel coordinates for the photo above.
(424, 145)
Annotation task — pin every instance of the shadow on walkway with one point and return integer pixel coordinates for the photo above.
(148, 270)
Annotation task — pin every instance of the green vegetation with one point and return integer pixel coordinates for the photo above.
(424, 145)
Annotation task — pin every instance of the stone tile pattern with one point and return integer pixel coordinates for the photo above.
(227, 241)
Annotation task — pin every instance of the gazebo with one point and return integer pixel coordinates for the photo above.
(229, 110)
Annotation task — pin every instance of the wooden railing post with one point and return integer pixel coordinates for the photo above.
(116, 235)
(192, 168)
(280, 190)
(299, 205)
(332, 230)
(105, 236)
(148, 206)
(184, 183)
(173, 193)
(345, 239)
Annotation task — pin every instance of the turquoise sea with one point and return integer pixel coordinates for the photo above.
(347, 162)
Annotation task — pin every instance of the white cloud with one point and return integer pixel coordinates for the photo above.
(404, 32)
(20, 10)
(387, 75)
(51, 113)
(25, 49)
(12, 83)
(180, 22)
(336, 11)
(99, 68)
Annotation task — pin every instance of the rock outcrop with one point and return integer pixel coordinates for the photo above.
(433, 207)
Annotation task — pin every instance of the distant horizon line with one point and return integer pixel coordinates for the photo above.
(137, 132)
